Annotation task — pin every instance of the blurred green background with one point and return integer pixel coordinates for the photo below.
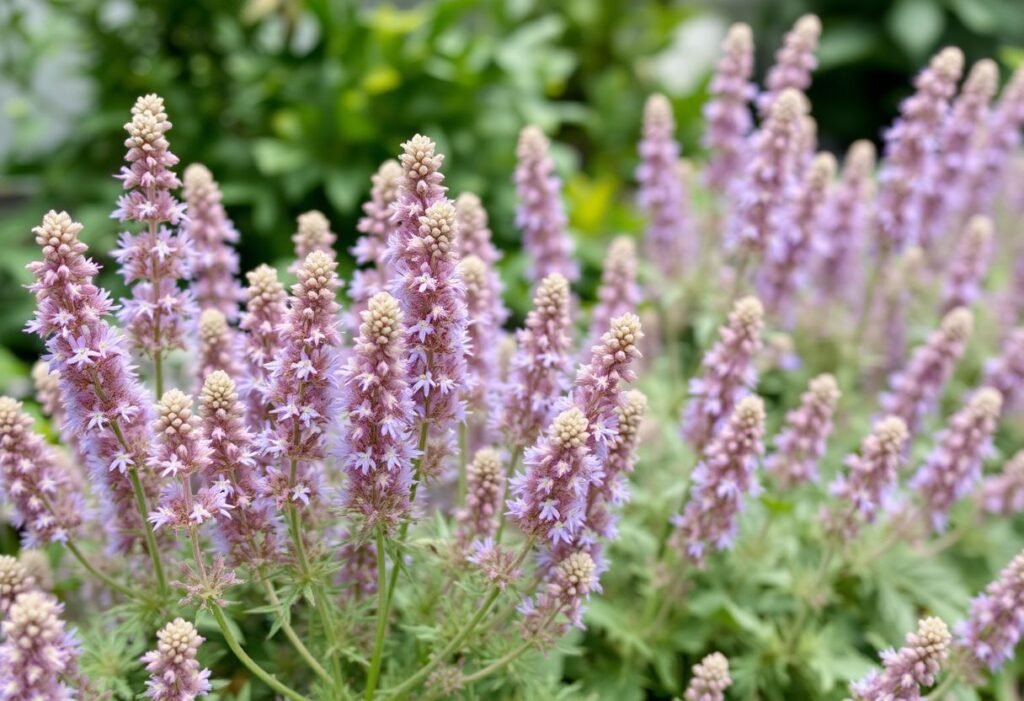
(293, 103)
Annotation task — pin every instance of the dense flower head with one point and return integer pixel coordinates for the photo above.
(1002, 137)
(218, 345)
(871, 475)
(539, 370)
(38, 657)
(618, 293)
(719, 483)
(800, 445)
(421, 167)
(1004, 493)
(953, 467)
(149, 178)
(215, 264)
(971, 259)
(710, 679)
(727, 112)
(45, 499)
(370, 249)
(475, 240)
(174, 672)
(262, 321)
(313, 234)
(795, 60)
(486, 316)
(994, 623)
(377, 445)
(670, 239)
(540, 215)
(99, 386)
(763, 196)
(485, 485)
(564, 591)
(14, 580)
(1006, 372)
(914, 391)
(910, 147)
(728, 372)
(914, 666)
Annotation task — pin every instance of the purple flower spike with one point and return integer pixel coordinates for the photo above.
(719, 483)
(564, 591)
(914, 391)
(1006, 373)
(1001, 142)
(953, 467)
(174, 672)
(98, 382)
(218, 345)
(670, 240)
(44, 496)
(539, 370)
(540, 215)
(710, 679)
(727, 112)
(314, 234)
(377, 445)
(728, 373)
(618, 293)
(845, 223)
(485, 484)
(762, 198)
(795, 61)
(971, 260)
(371, 248)
(38, 656)
(914, 666)
(597, 389)
(994, 623)
(15, 579)
(1004, 493)
(910, 147)
(620, 460)
(801, 444)
(263, 319)
(484, 333)
(474, 231)
(215, 265)
(872, 473)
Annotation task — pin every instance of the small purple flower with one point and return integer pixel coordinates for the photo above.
(719, 483)
(994, 623)
(914, 666)
(38, 657)
(314, 234)
(710, 679)
(263, 320)
(795, 60)
(564, 591)
(485, 485)
(215, 264)
(370, 249)
(801, 444)
(540, 215)
(219, 347)
(1004, 493)
(953, 467)
(1000, 143)
(1006, 372)
(174, 671)
(486, 315)
(618, 293)
(498, 564)
(727, 112)
(970, 263)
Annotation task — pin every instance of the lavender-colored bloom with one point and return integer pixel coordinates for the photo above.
(785, 265)
(218, 345)
(540, 215)
(969, 265)
(1006, 372)
(959, 150)
(844, 223)
(15, 579)
(900, 280)
(994, 623)
(719, 482)
(263, 320)
(953, 467)
(795, 60)
(377, 445)
(45, 499)
(761, 200)
(174, 671)
(564, 591)
(47, 386)
(1001, 141)
(914, 666)
(1004, 493)
(670, 239)
(914, 391)
(157, 257)
(727, 373)
(872, 473)
(618, 293)
(801, 444)
(38, 656)
(910, 147)
(371, 248)
(727, 112)
(314, 234)
(303, 384)
(710, 679)
(98, 382)
(539, 370)
(215, 264)
(475, 232)
(485, 485)
(484, 333)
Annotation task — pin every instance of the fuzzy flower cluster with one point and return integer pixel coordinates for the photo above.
(371, 248)
(970, 262)
(218, 346)
(485, 484)
(44, 497)
(914, 391)
(994, 623)
(313, 234)
(913, 667)
(801, 444)
(795, 61)
(710, 679)
(262, 323)
(618, 293)
(38, 657)
(377, 445)
(1004, 493)
(618, 463)
(871, 475)
(485, 312)
(1001, 140)
(670, 238)
(215, 264)
(1006, 372)
(540, 215)
(727, 112)
(174, 672)
(719, 483)
(728, 373)
(953, 467)
(564, 592)
(15, 579)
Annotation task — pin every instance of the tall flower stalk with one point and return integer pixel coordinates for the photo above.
(211, 232)
(728, 111)
(795, 61)
(801, 444)
(371, 248)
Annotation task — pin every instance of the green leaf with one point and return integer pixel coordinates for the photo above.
(916, 25)
(274, 157)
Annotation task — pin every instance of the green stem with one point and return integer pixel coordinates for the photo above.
(249, 663)
(506, 659)
(158, 373)
(793, 637)
(382, 618)
(289, 633)
(421, 446)
(154, 554)
(106, 579)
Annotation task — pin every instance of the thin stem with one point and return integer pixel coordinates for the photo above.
(106, 579)
(793, 637)
(513, 462)
(289, 633)
(463, 460)
(382, 618)
(264, 676)
(158, 373)
(154, 554)
(506, 659)
(421, 447)
(868, 303)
